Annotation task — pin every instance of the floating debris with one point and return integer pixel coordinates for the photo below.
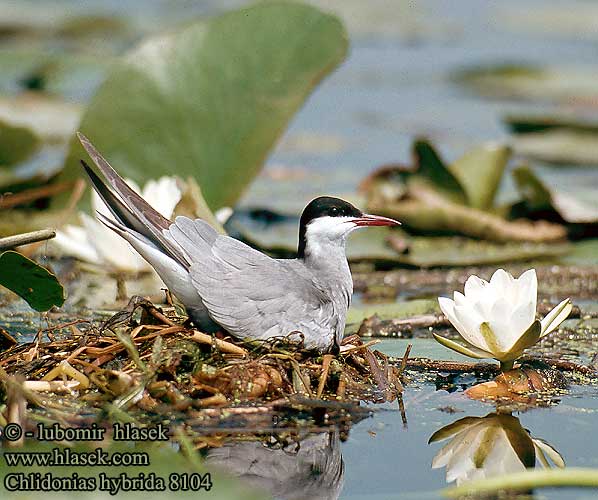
(148, 364)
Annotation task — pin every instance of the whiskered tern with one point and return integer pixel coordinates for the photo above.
(225, 284)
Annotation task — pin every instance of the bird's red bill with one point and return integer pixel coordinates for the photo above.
(375, 220)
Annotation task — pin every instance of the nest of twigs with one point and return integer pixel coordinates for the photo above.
(151, 363)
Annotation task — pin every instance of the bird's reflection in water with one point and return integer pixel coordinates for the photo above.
(482, 447)
(308, 469)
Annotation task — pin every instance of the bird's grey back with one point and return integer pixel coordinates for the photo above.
(255, 296)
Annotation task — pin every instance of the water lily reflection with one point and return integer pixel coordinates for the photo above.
(482, 447)
(310, 469)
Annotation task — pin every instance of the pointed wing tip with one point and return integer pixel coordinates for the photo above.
(87, 145)
(82, 138)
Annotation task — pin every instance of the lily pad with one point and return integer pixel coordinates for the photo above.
(50, 118)
(433, 170)
(425, 210)
(424, 198)
(479, 172)
(67, 74)
(456, 251)
(531, 82)
(559, 146)
(539, 198)
(524, 124)
(395, 310)
(30, 281)
(211, 100)
(583, 253)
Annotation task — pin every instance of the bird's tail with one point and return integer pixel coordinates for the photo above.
(129, 209)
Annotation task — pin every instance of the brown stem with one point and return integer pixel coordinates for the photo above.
(13, 200)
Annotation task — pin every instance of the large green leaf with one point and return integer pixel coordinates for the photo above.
(479, 171)
(211, 100)
(30, 281)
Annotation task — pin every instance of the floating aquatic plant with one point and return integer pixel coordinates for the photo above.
(497, 319)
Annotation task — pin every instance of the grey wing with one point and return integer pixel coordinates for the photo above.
(249, 293)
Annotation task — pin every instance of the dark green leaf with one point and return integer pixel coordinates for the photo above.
(16, 144)
(533, 191)
(32, 282)
(573, 207)
(433, 170)
(524, 124)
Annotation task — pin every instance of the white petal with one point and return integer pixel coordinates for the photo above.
(163, 195)
(98, 205)
(484, 307)
(471, 321)
(527, 288)
(502, 283)
(474, 286)
(547, 449)
(447, 306)
(223, 214)
(444, 454)
(486, 299)
(500, 323)
(554, 318)
(460, 299)
(523, 317)
(460, 464)
(73, 241)
(111, 248)
(502, 459)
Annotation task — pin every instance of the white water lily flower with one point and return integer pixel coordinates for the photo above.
(95, 243)
(483, 447)
(497, 319)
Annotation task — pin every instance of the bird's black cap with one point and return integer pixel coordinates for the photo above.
(324, 206)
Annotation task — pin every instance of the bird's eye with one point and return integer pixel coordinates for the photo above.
(334, 211)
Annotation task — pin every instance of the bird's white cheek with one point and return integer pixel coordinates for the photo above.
(330, 228)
